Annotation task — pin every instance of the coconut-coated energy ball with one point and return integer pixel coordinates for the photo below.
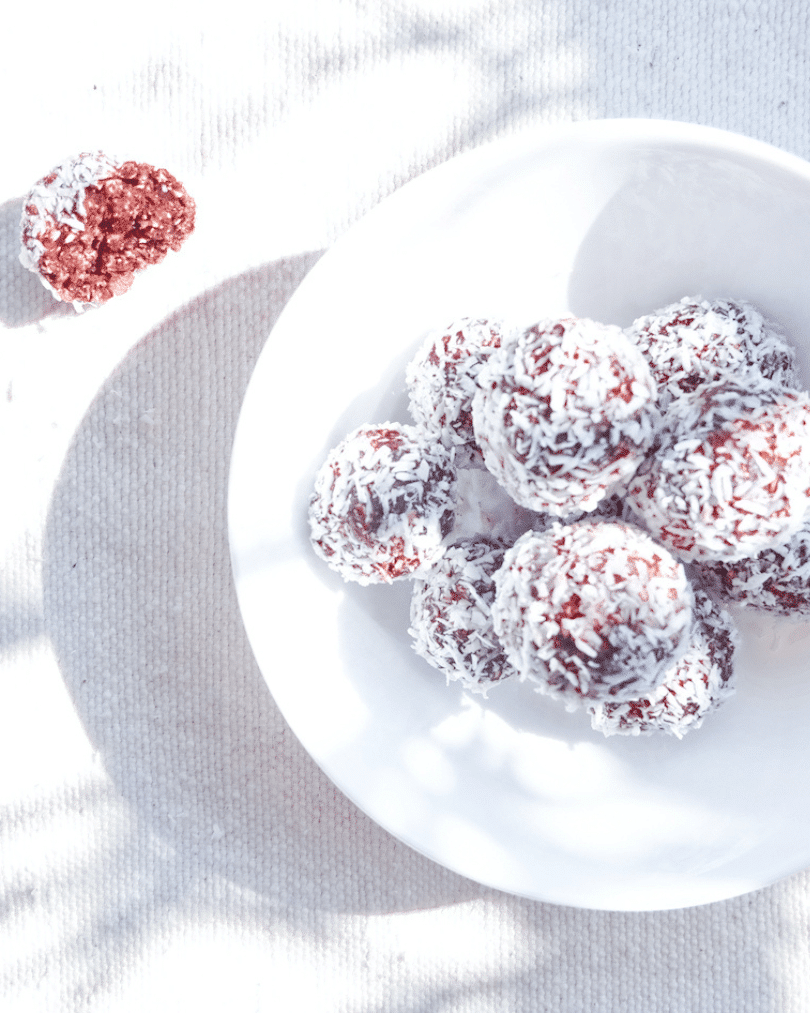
(564, 414)
(730, 475)
(441, 381)
(593, 611)
(695, 686)
(451, 615)
(383, 503)
(697, 341)
(92, 223)
(776, 580)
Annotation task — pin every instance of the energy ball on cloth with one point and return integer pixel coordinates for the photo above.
(383, 503)
(441, 382)
(694, 687)
(777, 580)
(697, 341)
(92, 222)
(564, 414)
(730, 476)
(451, 615)
(593, 611)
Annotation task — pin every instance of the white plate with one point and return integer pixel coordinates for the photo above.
(607, 219)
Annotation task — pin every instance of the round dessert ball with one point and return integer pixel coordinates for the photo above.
(697, 341)
(383, 503)
(441, 380)
(777, 580)
(451, 615)
(694, 687)
(92, 223)
(731, 472)
(564, 414)
(593, 611)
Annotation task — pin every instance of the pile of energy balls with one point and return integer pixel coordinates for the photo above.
(575, 504)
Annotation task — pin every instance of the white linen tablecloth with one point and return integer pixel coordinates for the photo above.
(165, 842)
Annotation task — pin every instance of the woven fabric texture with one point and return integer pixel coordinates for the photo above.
(166, 844)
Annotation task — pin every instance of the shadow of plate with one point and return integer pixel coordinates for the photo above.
(141, 610)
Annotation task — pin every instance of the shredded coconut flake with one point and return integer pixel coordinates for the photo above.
(441, 381)
(693, 687)
(748, 486)
(697, 341)
(564, 414)
(451, 616)
(592, 611)
(375, 516)
(776, 580)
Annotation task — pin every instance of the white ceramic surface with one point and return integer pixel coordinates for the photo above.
(608, 219)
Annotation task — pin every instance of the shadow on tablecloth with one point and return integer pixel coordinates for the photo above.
(142, 613)
(23, 297)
